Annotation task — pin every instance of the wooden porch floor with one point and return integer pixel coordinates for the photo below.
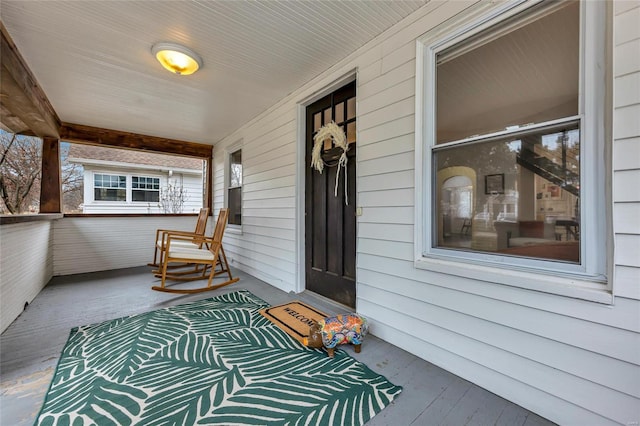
(30, 348)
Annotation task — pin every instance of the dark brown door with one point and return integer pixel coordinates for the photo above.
(330, 224)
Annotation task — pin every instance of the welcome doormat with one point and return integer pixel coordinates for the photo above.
(214, 361)
(294, 318)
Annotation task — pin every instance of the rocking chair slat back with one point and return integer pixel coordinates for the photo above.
(161, 236)
(209, 259)
(221, 225)
(201, 224)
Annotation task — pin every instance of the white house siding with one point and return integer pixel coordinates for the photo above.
(265, 245)
(26, 265)
(626, 149)
(191, 182)
(193, 185)
(86, 244)
(570, 360)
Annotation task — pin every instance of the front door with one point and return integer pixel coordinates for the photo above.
(330, 223)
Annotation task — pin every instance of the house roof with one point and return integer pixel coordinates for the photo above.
(93, 58)
(78, 153)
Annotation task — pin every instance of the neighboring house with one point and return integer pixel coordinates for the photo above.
(125, 181)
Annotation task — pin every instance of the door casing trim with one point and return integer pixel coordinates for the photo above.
(300, 169)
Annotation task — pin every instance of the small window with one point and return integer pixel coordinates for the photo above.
(234, 201)
(109, 187)
(146, 189)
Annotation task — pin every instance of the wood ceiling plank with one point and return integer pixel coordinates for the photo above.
(94, 61)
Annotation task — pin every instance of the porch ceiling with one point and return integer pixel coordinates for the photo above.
(93, 59)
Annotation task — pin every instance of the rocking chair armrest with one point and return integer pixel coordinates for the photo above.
(190, 237)
(159, 231)
(182, 233)
(201, 239)
(205, 239)
(164, 232)
(167, 232)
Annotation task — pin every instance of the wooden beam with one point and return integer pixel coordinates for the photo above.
(115, 138)
(20, 94)
(50, 185)
(10, 122)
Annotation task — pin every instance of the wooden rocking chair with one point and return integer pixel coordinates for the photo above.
(211, 256)
(195, 242)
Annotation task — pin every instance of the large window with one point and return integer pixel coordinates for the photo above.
(510, 137)
(234, 199)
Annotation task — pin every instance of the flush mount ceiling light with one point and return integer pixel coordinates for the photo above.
(176, 58)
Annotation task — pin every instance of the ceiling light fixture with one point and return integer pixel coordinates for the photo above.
(176, 58)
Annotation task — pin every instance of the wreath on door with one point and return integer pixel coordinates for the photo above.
(336, 134)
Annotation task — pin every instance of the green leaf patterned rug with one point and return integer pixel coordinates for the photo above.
(215, 361)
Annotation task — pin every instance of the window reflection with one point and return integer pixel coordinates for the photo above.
(529, 207)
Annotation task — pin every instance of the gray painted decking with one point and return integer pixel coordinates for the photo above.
(30, 347)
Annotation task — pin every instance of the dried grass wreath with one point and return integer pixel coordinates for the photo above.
(335, 132)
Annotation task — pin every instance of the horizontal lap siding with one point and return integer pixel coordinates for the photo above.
(572, 361)
(522, 356)
(626, 150)
(626, 160)
(265, 245)
(26, 265)
(87, 244)
(193, 186)
(518, 392)
(389, 232)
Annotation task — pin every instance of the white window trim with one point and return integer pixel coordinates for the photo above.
(236, 146)
(141, 175)
(107, 202)
(588, 282)
(129, 187)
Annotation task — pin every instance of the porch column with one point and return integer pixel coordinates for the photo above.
(50, 182)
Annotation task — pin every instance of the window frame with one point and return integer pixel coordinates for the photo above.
(146, 176)
(128, 187)
(587, 280)
(118, 176)
(228, 152)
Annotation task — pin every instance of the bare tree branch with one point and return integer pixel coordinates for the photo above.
(5, 196)
(4, 154)
(20, 172)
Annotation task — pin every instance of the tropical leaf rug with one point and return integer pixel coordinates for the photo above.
(215, 361)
